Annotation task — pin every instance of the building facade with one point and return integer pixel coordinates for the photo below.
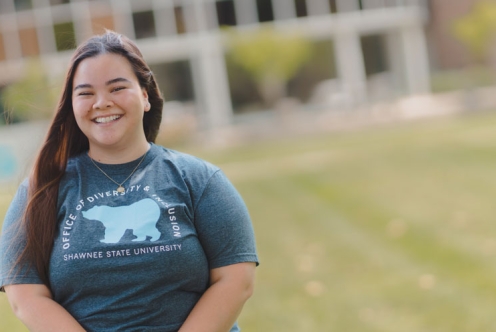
(190, 31)
(445, 51)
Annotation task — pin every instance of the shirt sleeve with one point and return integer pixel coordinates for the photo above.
(224, 225)
(12, 242)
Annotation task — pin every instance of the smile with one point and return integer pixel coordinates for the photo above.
(107, 119)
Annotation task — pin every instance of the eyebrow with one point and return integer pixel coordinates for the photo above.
(110, 82)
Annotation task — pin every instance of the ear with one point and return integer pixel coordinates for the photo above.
(145, 97)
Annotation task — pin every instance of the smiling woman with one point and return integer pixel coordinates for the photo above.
(109, 105)
(174, 233)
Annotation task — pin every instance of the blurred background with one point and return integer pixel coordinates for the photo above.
(361, 134)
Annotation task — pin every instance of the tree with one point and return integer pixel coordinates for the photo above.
(477, 29)
(270, 57)
(33, 97)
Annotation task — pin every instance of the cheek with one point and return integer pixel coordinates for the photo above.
(80, 107)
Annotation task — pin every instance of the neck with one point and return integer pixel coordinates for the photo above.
(118, 156)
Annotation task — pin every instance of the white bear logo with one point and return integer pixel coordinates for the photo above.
(141, 217)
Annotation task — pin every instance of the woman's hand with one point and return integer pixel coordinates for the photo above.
(217, 310)
(34, 306)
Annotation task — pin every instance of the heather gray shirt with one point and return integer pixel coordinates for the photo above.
(138, 260)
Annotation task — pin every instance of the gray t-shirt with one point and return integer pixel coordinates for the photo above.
(138, 260)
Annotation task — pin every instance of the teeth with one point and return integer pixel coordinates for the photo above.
(107, 119)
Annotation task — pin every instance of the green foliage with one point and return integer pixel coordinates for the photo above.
(477, 29)
(33, 97)
(267, 52)
(3, 114)
(270, 57)
(322, 66)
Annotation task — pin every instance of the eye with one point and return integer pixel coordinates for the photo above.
(85, 93)
(118, 88)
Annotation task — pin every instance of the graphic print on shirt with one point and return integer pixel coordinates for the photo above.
(103, 225)
(140, 217)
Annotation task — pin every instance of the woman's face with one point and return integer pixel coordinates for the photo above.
(109, 103)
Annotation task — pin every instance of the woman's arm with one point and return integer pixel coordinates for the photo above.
(219, 307)
(34, 306)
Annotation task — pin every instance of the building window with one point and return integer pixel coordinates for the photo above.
(29, 42)
(58, 2)
(245, 96)
(225, 13)
(265, 11)
(144, 25)
(320, 68)
(374, 54)
(65, 38)
(301, 8)
(333, 6)
(22, 4)
(175, 80)
(180, 21)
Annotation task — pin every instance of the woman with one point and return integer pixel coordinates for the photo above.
(117, 233)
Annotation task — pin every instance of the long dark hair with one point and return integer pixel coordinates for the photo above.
(64, 140)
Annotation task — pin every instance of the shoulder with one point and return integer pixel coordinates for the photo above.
(22, 192)
(24, 186)
(187, 165)
(18, 204)
(195, 174)
(72, 174)
(73, 163)
(73, 167)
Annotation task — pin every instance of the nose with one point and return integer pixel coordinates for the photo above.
(102, 103)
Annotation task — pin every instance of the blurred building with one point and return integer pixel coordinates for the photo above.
(378, 46)
(445, 51)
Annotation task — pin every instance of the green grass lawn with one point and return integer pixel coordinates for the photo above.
(386, 229)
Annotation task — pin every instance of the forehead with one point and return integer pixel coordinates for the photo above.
(102, 68)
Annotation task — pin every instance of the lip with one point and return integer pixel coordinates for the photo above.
(106, 119)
